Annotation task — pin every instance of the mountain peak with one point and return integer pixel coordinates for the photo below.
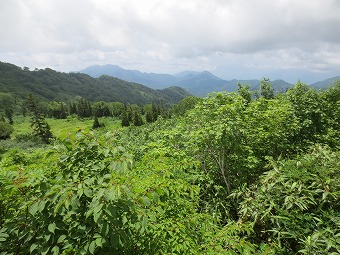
(209, 75)
(186, 74)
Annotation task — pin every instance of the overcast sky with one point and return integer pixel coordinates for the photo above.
(242, 39)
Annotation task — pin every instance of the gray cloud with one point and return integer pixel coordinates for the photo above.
(238, 36)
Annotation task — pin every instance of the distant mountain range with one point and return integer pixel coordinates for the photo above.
(325, 83)
(48, 85)
(127, 86)
(197, 83)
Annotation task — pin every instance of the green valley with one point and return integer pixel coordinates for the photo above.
(233, 173)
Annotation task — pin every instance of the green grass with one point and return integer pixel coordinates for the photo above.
(21, 126)
(63, 128)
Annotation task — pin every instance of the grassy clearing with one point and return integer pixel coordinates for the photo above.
(63, 128)
(21, 126)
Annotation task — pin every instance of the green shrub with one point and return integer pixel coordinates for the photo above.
(28, 138)
(5, 130)
(15, 156)
(296, 205)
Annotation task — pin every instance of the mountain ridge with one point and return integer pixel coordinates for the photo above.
(50, 85)
(197, 83)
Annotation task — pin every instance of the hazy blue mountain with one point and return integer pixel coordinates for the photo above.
(325, 83)
(186, 74)
(281, 85)
(200, 84)
(152, 80)
(197, 83)
(205, 84)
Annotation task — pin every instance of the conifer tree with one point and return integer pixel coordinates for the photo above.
(149, 116)
(41, 127)
(266, 89)
(155, 111)
(5, 129)
(137, 119)
(96, 123)
(9, 114)
(125, 119)
(38, 122)
(73, 108)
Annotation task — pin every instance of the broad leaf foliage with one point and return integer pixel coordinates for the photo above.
(229, 174)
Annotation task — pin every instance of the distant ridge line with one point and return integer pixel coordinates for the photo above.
(197, 83)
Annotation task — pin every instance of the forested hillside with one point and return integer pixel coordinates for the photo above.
(234, 173)
(50, 85)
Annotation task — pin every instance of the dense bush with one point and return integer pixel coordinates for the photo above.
(231, 174)
(28, 138)
(97, 201)
(21, 141)
(5, 130)
(296, 204)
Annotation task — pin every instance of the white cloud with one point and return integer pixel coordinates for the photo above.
(169, 36)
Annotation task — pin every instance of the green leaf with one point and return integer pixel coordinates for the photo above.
(96, 235)
(41, 205)
(124, 220)
(45, 250)
(97, 212)
(89, 213)
(96, 216)
(3, 236)
(99, 242)
(98, 208)
(155, 196)
(107, 176)
(88, 192)
(80, 191)
(63, 158)
(92, 247)
(159, 191)
(33, 208)
(47, 237)
(146, 201)
(55, 250)
(74, 202)
(61, 238)
(105, 228)
(33, 247)
(52, 227)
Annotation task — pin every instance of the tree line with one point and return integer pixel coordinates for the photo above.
(130, 114)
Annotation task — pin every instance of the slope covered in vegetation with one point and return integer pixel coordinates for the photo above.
(233, 175)
(50, 85)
